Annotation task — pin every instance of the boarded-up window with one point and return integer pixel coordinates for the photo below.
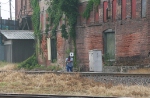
(133, 9)
(114, 10)
(109, 45)
(144, 6)
(105, 11)
(123, 13)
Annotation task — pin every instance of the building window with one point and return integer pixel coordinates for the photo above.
(105, 11)
(133, 8)
(114, 10)
(119, 2)
(144, 7)
(123, 11)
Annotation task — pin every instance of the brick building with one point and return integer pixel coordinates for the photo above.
(119, 28)
(23, 13)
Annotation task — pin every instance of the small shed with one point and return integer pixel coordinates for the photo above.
(18, 45)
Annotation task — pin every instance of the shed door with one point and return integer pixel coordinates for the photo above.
(109, 45)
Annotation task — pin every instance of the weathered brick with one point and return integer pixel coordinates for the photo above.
(132, 36)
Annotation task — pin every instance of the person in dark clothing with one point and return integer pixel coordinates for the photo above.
(69, 64)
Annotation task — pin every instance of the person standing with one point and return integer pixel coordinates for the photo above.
(69, 64)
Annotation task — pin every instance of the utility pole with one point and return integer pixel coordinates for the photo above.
(10, 9)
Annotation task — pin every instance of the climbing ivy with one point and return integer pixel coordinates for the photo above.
(36, 17)
(56, 10)
(36, 23)
(32, 62)
(89, 7)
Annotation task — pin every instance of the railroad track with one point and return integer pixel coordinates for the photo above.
(114, 78)
(49, 96)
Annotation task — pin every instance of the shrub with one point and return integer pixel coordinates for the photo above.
(29, 63)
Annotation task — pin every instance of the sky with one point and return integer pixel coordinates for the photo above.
(5, 10)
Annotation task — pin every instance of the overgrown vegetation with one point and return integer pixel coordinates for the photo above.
(69, 9)
(65, 10)
(30, 63)
(92, 4)
(36, 18)
(36, 23)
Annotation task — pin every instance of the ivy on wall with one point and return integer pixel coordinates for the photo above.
(36, 17)
(56, 10)
(36, 23)
(91, 4)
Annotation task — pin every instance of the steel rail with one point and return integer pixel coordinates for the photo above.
(49, 96)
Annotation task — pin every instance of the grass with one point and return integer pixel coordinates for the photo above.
(140, 71)
(2, 64)
(15, 82)
(7, 66)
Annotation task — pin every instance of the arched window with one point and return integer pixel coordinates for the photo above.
(105, 11)
(114, 10)
(123, 11)
(133, 9)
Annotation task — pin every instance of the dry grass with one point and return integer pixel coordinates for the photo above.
(140, 71)
(14, 82)
(7, 66)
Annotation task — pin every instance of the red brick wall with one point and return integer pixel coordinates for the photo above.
(62, 48)
(131, 35)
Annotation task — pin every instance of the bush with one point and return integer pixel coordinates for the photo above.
(30, 63)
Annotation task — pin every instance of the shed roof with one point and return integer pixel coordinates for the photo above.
(17, 34)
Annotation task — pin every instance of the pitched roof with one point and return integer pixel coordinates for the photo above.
(17, 34)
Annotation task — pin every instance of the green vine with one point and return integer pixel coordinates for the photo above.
(89, 7)
(36, 17)
(69, 9)
(36, 22)
(64, 32)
